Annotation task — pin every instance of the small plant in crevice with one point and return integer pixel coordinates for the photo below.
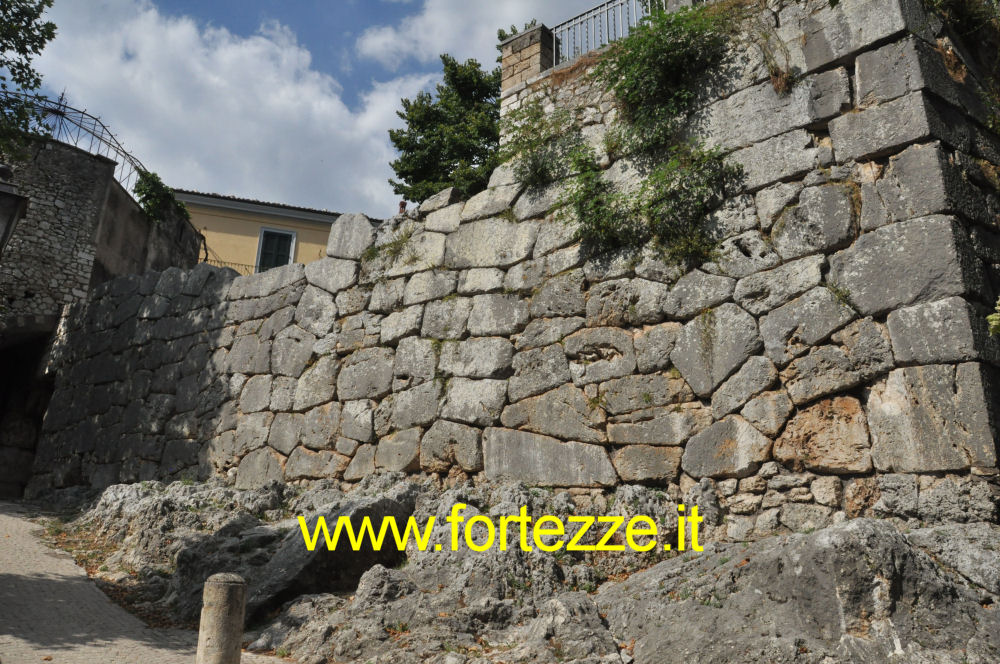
(539, 143)
(157, 199)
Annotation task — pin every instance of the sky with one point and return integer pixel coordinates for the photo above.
(288, 101)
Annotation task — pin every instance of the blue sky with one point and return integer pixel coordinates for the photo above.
(281, 100)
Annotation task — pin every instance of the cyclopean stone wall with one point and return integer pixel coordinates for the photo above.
(833, 361)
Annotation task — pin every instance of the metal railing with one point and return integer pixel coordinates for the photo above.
(596, 28)
(242, 268)
(85, 131)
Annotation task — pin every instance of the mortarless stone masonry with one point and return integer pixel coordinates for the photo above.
(833, 352)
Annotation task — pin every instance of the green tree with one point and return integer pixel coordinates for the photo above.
(23, 35)
(451, 138)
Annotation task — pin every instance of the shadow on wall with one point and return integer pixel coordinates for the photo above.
(24, 396)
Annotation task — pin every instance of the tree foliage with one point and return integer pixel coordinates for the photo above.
(157, 199)
(451, 138)
(23, 35)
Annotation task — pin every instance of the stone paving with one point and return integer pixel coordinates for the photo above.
(51, 612)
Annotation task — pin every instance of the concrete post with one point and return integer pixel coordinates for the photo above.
(220, 634)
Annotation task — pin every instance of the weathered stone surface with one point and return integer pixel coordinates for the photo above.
(399, 452)
(768, 412)
(755, 376)
(794, 328)
(490, 243)
(350, 235)
(490, 202)
(366, 374)
(734, 121)
(353, 301)
(864, 353)
(446, 319)
(560, 296)
(667, 426)
(292, 351)
(477, 402)
(822, 221)
(616, 303)
(445, 220)
(422, 251)
(362, 465)
(252, 431)
(729, 448)
(599, 354)
(259, 468)
(430, 285)
(736, 215)
(356, 421)
(525, 277)
(828, 437)
(497, 314)
(416, 361)
(316, 311)
(303, 464)
(480, 357)
(714, 345)
(771, 202)
(387, 295)
(448, 443)
(442, 199)
(642, 463)
(286, 430)
(318, 384)
(802, 518)
(480, 280)
(762, 292)
(563, 413)
(653, 346)
(545, 332)
(256, 394)
(624, 395)
(695, 292)
(332, 274)
(554, 233)
(417, 406)
(319, 427)
(538, 370)
(948, 330)
(401, 324)
(933, 418)
(884, 128)
(535, 202)
(778, 158)
(743, 255)
(544, 461)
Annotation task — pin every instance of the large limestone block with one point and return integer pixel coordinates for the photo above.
(666, 426)
(422, 251)
(653, 346)
(332, 274)
(447, 444)
(920, 260)
(769, 411)
(642, 463)
(563, 413)
(794, 328)
(538, 370)
(477, 402)
(399, 452)
(440, 200)
(711, 347)
(948, 330)
(305, 465)
(400, 324)
(560, 296)
(743, 255)
(480, 357)
(490, 243)
(695, 292)
(350, 236)
(543, 461)
(416, 361)
(490, 202)
(366, 374)
(258, 468)
(446, 319)
(417, 406)
(754, 377)
(762, 292)
(823, 220)
(779, 158)
(828, 437)
(318, 384)
(730, 448)
(934, 418)
(445, 220)
(430, 285)
(497, 314)
(625, 302)
(631, 393)
(316, 311)
(599, 354)
(885, 128)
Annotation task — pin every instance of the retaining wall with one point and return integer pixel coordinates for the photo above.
(833, 361)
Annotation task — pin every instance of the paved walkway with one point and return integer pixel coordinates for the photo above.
(51, 612)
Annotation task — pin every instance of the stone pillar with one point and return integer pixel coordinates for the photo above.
(220, 633)
(525, 56)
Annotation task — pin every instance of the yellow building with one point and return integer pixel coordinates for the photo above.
(252, 236)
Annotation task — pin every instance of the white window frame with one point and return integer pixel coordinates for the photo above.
(260, 244)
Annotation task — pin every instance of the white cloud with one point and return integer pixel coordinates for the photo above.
(213, 111)
(459, 27)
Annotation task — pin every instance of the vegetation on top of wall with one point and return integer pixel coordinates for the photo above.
(157, 199)
(23, 35)
(657, 74)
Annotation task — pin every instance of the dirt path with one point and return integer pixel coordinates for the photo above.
(50, 611)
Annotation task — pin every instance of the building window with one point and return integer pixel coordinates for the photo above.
(275, 248)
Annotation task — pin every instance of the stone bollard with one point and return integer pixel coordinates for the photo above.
(220, 634)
